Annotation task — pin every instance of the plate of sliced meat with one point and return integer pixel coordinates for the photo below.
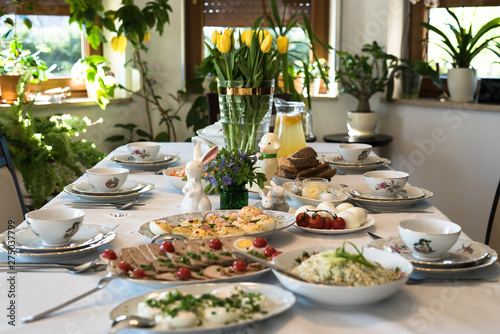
(178, 262)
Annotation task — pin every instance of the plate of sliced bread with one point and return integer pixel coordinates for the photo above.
(303, 164)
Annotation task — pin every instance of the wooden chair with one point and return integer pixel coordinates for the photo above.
(12, 208)
(493, 230)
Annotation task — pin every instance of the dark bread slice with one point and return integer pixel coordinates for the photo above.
(314, 171)
(304, 153)
(286, 173)
(328, 174)
(303, 163)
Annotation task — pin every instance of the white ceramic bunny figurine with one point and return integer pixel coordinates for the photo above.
(267, 200)
(195, 198)
(267, 160)
(278, 192)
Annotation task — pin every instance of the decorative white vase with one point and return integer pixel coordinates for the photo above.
(462, 84)
(361, 124)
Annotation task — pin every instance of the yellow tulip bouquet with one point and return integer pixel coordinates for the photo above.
(246, 78)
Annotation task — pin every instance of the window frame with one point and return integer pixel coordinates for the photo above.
(420, 13)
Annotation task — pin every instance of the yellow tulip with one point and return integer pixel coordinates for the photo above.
(248, 41)
(214, 37)
(267, 43)
(263, 34)
(282, 44)
(224, 43)
(244, 36)
(147, 37)
(119, 43)
(228, 32)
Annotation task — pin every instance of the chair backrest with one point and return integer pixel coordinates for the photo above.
(493, 230)
(12, 208)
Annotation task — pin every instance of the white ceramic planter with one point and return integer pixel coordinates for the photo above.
(361, 124)
(462, 84)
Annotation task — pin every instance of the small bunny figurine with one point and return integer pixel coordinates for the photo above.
(267, 200)
(278, 192)
(267, 161)
(195, 198)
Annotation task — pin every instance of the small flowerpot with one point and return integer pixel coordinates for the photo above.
(233, 197)
(411, 84)
(462, 84)
(8, 86)
(361, 124)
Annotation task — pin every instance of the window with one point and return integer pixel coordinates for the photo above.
(480, 10)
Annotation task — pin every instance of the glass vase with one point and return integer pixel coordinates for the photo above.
(245, 110)
(411, 84)
(233, 197)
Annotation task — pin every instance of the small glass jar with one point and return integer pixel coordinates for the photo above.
(314, 186)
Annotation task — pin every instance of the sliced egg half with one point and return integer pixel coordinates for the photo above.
(243, 244)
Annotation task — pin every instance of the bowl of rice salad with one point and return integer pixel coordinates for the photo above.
(343, 277)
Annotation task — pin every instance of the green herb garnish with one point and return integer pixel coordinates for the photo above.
(359, 258)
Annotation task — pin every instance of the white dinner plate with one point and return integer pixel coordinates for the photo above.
(283, 220)
(369, 222)
(162, 160)
(27, 241)
(300, 200)
(441, 272)
(364, 192)
(344, 167)
(119, 198)
(130, 186)
(464, 253)
(279, 299)
(109, 235)
(386, 203)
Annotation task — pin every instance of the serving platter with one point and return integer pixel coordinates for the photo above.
(300, 200)
(344, 167)
(130, 186)
(118, 198)
(386, 203)
(279, 299)
(370, 221)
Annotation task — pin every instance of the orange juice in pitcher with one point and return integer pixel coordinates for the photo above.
(289, 127)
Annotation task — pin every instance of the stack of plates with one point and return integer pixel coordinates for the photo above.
(465, 256)
(344, 167)
(161, 161)
(22, 242)
(408, 197)
(128, 192)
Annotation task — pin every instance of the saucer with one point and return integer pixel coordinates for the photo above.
(118, 198)
(366, 165)
(464, 253)
(130, 186)
(162, 160)
(378, 203)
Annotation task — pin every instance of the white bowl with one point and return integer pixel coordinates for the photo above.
(386, 183)
(428, 239)
(144, 150)
(107, 178)
(301, 201)
(176, 181)
(55, 227)
(354, 152)
(344, 297)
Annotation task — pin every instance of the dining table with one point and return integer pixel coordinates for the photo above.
(441, 306)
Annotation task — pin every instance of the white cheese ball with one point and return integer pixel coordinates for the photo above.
(219, 315)
(184, 319)
(351, 220)
(344, 206)
(329, 206)
(360, 212)
(304, 208)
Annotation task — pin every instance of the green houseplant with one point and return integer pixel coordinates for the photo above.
(462, 48)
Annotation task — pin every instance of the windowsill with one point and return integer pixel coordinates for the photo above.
(432, 103)
(71, 102)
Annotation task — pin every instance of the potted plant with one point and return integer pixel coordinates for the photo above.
(465, 46)
(411, 78)
(362, 76)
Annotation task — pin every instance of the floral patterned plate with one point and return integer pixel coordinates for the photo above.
(130, 186)
(464, 253)
(117, 198)
(161, 161)
(377, 203)
(408, 193)
(368, 164)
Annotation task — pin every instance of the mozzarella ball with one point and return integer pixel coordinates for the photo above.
(344, 206)
(351, 220)
(184, 319)
(360, 212)
(304, 208)
(330, 207)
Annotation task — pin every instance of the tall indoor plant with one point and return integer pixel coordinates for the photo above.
(363, 75)
(462, 49)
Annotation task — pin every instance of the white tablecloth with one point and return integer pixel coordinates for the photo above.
(451, 307)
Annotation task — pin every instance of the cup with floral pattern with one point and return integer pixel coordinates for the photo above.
(386, 183)
(144, 150)
(107, 179)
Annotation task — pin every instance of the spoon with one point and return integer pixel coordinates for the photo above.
(125, 321)
(101, 284)
(73, 269)
(90, 205)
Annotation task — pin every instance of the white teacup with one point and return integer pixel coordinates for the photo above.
(354, 153)
(386, 183)
(55, 227)
(144, 150)
(107, 179)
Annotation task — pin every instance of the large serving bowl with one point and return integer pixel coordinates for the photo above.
(428, 239)
(353, 153)
(343, 297)
(55, 227)
(144, 150)
(107, 178)
(386, 183)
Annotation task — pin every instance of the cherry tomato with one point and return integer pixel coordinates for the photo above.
(109, 254)
(328, 223)
(125, 266)
(183, 273)
(316, 221)
(338, 223)
(215, 244)
(260, 242)
(302, 219)
(139, 273)
(269, 251)
(239, 265)
(276, 254)
(167, 246)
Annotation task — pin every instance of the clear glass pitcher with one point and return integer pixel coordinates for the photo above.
(290, 117)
